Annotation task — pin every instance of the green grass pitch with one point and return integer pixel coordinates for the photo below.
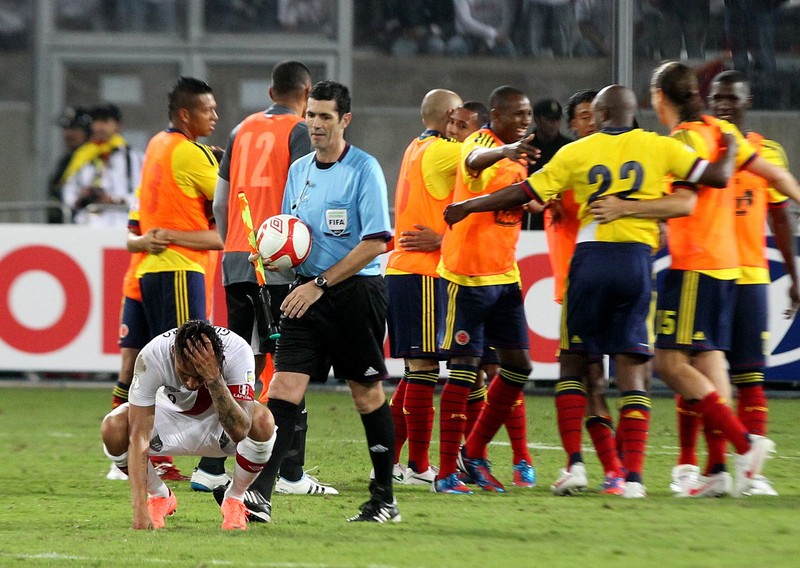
(57, 508)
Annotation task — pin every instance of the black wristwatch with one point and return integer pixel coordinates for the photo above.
(321, 282)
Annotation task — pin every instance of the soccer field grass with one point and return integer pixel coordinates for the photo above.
(57, 508)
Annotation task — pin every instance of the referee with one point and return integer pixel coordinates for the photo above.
(335, 314)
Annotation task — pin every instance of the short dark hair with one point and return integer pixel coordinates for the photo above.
(332, 91)
(480, 110)
(501, 95)
(584, 96)
(289, 76)
(184, 92)
(192, 331)
(731, 77)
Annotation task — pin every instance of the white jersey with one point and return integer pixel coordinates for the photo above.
(154, 376)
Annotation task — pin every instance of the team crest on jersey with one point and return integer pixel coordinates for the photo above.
(462, 337)
(123, 331)
(336, 219)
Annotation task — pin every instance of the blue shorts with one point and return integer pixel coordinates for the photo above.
(133, 330)
(750, 337)
(481, 315)
(172, 298)
(607, 302)
(695, 312)
(415, 306)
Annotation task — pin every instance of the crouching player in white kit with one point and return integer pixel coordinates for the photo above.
(205, 408)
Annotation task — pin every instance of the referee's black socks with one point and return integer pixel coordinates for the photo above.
(379, 429)
(286, 415)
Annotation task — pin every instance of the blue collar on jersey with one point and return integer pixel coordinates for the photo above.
(616, 129)
(430, 132)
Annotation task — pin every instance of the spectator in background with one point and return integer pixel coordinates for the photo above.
(146, 15)
(315, 16)
(424, 27)
(15, 19)
(103, 173)
(547, 116)
(75, 124)
(595, 20)
(750, 28)
(483, 27)
(544, 23)
(683, 23)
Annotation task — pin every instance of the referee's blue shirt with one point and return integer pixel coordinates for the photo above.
(342, 205)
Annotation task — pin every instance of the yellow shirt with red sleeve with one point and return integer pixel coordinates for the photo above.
(705, 241)
(424, 189)
(481, 249)
(261, 170)
(178, 181)
(562, 236)
(754, 197)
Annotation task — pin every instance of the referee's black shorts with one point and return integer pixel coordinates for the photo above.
(345, 329)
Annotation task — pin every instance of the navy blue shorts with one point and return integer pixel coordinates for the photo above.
(750, 337)
(345, 329)
(478, 316)
(695, 312)
(607, 302)
(172, 298)
(416, 306)
(133, 330)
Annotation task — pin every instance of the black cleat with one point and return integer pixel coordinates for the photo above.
(378, 509)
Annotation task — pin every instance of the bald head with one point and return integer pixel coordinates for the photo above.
(615, 106)
(436, 107)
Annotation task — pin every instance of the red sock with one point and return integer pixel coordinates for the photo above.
(689, 423)
(717, 414)
(717, 450)
(517, 428)
(418, 409)
(571, 402)
(752, 407)
(398, 418)
(601, 431)
(634, 421)
(453, 416)
(475, 404)
(500, 396)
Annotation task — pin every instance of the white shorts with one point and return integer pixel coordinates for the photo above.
(177, 433)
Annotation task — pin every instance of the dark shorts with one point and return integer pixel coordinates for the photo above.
(750, 337)
(478, 316)
(172, 298)
(415, 306)
(241, 300)
(695, 312)
(133, 330)
(345, 329)
(607, 302)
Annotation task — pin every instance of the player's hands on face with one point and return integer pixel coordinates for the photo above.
(424, 239)
(607, 209)
(297, 302)
(200, 354)
(454, 213)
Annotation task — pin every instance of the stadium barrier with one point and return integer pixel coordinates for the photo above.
(61, 290)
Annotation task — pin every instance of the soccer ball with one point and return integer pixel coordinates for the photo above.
(283, 241)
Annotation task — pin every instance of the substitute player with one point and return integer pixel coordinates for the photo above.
(610, 277)
(192, 394)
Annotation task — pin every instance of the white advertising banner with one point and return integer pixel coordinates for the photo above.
(61, 291)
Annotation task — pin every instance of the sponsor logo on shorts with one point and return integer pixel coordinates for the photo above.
(370, 372)
(459, 416)
(124, 330)
(462, 337)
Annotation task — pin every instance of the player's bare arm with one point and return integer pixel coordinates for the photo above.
(424, 239)
(151, 242)
(302, 297)
(782, 180)
(481, 158)
(784, 241)
(677, 204)
(208, 239)
(235, 418)
(140, 426)
(506, 198)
